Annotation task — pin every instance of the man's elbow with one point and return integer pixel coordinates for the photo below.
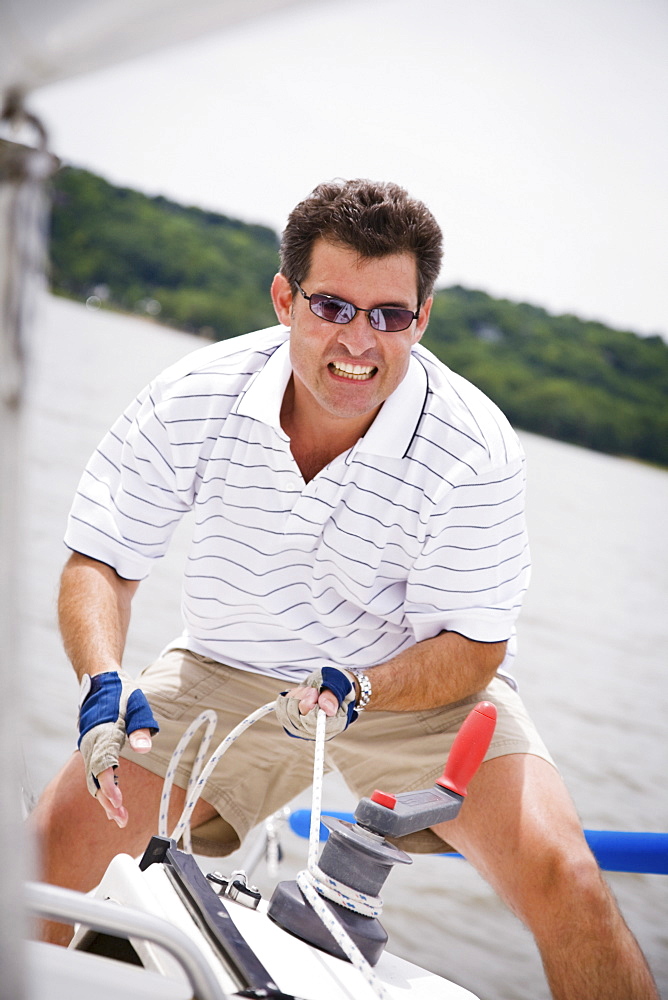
(496, 654)
(485, 657)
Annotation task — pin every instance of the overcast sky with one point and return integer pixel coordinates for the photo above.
(536, 132)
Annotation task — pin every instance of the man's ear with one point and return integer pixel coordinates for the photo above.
(281, 296)
(423, 318)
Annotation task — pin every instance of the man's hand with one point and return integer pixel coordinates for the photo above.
(109, 793)
(333, 690)
(110, 708)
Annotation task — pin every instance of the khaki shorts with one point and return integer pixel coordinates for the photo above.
(265, 769)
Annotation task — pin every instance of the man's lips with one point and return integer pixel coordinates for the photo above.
(358, 373)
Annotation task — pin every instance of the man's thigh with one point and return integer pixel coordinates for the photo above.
(406, 751)
(519, 828)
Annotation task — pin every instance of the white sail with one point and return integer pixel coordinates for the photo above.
(42, 41)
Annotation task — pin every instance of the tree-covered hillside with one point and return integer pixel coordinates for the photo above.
(207, 273)
(560, 376)
(570, 379)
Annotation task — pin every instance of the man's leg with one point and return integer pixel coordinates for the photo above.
(76, 841)
(519, 829)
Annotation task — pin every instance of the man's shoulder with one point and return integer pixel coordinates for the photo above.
(475, 429)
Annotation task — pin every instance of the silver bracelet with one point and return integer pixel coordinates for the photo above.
(365, 689)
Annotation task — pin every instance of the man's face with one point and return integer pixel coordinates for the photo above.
(347, 371)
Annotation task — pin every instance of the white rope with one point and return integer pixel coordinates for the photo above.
(313, 882)
(337, 892)
(209, 717)
(316, 792)
(195, 787)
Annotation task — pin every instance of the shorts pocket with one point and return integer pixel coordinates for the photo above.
(180, 682)
(447, 717)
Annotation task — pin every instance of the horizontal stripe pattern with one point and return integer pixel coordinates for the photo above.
(376, 552)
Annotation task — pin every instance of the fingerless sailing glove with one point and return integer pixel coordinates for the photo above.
(340, 682)
(109, 708)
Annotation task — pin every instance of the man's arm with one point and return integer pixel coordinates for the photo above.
(94, 615)
(432, 673)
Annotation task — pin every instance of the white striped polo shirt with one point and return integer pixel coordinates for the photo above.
(417, 528)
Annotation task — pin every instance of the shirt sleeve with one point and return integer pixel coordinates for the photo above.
(473, 570)
(129, 499)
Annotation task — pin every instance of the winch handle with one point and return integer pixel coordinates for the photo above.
(469, 748)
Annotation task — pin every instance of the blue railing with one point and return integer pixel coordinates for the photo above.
(615, 850)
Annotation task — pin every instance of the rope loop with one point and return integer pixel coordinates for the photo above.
(198, 780)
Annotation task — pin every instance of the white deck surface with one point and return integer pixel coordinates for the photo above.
(296, 967)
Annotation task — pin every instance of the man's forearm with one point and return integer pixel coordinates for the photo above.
(434, 672)
(94, 614)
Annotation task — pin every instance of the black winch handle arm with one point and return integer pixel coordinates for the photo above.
(407, 812)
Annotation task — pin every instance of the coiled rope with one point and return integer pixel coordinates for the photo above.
(197, 780)
(313, 882)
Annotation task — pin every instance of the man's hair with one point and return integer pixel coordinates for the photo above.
(373, 218)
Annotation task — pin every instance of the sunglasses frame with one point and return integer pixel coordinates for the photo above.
(335, 298)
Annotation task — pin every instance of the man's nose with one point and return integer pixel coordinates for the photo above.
(357, 336)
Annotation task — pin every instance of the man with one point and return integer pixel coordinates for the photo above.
(359, 521)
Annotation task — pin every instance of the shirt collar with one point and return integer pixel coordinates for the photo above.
(263, 396)
(389, 435)
(393, 429)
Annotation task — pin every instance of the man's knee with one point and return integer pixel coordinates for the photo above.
(562, 883)
(565, 865)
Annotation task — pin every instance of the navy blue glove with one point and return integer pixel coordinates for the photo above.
(109, 708)
(337, 680)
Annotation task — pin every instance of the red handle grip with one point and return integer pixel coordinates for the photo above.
(469, 748)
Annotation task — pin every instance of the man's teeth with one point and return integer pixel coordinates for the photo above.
(352, 371)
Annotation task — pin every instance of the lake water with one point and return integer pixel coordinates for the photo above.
(592, 662)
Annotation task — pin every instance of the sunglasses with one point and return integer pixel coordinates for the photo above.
(386, 319)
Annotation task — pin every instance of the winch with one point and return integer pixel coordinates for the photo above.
(358, 855)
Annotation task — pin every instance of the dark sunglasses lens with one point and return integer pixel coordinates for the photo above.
(390, 320)
(332, 310)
